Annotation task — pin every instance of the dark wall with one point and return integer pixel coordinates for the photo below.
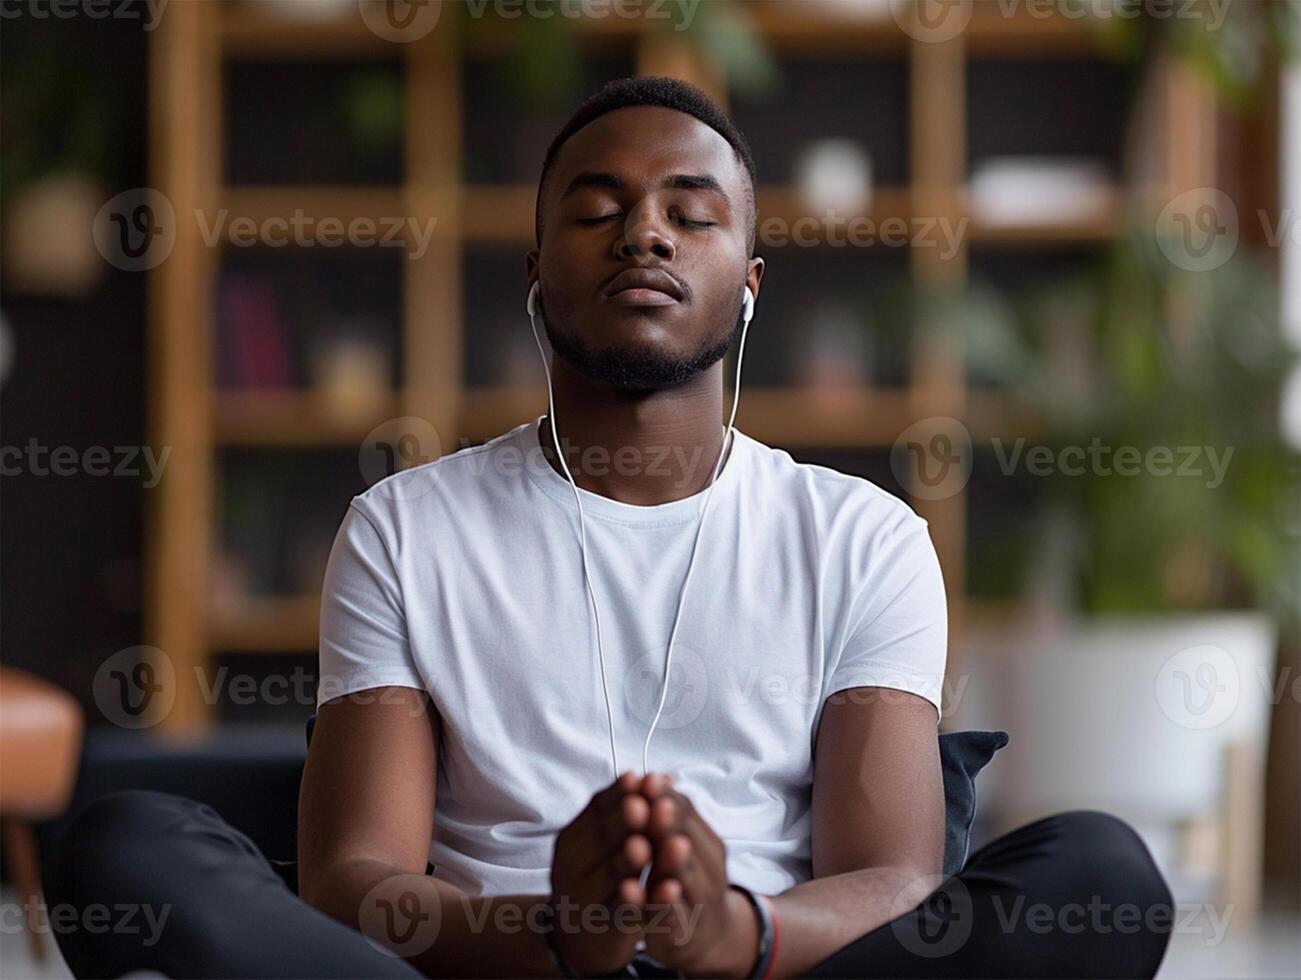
(70, 546)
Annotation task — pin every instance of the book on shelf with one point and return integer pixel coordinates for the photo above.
(252, 342)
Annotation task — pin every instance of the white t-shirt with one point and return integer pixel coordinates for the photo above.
(462, 578)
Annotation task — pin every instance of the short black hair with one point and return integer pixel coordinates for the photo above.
(653, 90)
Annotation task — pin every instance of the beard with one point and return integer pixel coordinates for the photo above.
(638, 368)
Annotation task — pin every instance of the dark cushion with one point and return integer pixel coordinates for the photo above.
(962, 755)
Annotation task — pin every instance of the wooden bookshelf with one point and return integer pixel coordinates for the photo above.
(279, 624)
(187, 412)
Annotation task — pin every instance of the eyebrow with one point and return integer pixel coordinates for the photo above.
(689, 182)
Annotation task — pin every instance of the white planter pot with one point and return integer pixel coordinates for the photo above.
(1131, 714)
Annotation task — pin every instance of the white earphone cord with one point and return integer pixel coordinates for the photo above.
(582, 531)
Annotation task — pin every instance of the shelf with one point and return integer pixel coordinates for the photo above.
(796, 26)
(995, 415)
(776, 415)
(1105, 224)
(779, 416)
(488, 411)
(292, 418)
(991, 33)
(266, 624)
(816, 417)
(787, 203)
(791, 26)
(503, 213)
(315, 201)
(932, 83)
(249, 30)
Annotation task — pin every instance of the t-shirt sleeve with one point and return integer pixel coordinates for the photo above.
(363, 640)
(898, 627)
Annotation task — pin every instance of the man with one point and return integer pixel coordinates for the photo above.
(493, 664)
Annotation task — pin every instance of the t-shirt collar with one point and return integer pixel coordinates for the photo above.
(544, 475)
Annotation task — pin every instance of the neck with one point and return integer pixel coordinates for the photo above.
(641, 448)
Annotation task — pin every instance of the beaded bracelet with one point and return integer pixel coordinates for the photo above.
(767, 952)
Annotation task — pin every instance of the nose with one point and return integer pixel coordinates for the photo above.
(644, 235)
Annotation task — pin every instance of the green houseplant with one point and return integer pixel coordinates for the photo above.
(1161, 388)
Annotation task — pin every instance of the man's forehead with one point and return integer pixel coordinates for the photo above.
(646, 140)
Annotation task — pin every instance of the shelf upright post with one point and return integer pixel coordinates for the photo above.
(184, 80)
(937, 126)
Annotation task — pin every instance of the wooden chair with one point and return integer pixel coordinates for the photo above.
(40, 744)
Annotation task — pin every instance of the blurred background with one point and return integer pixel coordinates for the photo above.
(1032, 265)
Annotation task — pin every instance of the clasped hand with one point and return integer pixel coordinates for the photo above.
(688, 915)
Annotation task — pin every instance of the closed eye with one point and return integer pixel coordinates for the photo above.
(691, 223)
(600, 219)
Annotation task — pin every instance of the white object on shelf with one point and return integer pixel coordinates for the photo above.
(1016, 191)
(834, 175)
(861, 10)
(310, 9)
(350, 375)
(48, 248)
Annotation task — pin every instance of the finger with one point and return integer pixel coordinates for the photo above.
(635, 854)
(630, 892)
(608, 798)
(708, 848)
(610, 814)
(635, 810)
(690, 869)
(604, 859)
(669, 862)
(618, 843)
(624, 889)
(668, 915)
(609, 829)
(665, 814)
(667, 892)
(603, 799)
(654, 784)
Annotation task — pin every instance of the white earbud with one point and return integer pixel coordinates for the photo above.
(532, 304)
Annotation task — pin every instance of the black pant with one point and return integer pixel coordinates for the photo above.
(1073, 895)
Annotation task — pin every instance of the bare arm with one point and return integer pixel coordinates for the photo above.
(878, 824)
(365, 820)
(877, 838)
